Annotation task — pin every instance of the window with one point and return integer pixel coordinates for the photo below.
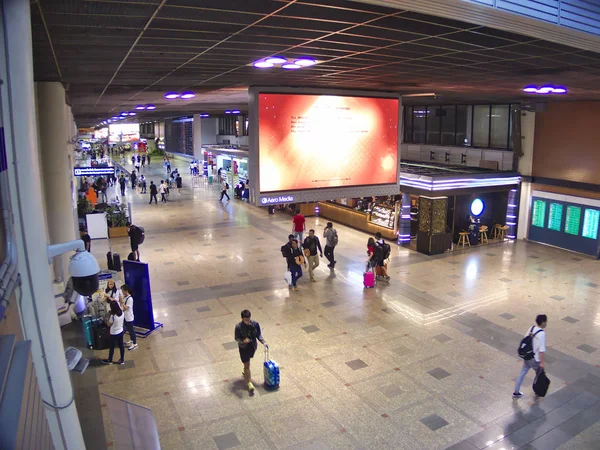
(434, 114)
(481, 126)
(419, 122)
(448, 125)
(408, 123)
(463, 125)
(499, 126)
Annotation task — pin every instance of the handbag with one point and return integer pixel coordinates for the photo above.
(288, 277)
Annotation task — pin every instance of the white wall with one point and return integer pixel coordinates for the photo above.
(209, 130)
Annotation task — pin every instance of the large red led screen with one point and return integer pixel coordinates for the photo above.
(322, 141)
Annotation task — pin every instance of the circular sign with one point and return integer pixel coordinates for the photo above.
(477, 207)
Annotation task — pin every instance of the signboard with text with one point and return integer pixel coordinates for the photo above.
(93, 171)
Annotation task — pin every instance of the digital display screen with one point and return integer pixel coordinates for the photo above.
(102, 133)
(573, 220)
(591, 217)
(555, 217)
(322, 141)
(124, 132)
(538, 213)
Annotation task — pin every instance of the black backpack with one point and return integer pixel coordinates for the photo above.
(526, 346)
(387, 250)
(378, 253)
(227, 185)
(285, 252)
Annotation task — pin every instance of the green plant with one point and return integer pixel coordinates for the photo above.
(83, 207)
(116, 216)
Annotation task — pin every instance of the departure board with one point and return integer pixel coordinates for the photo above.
(590, 223)
(555, 216)
(573, 220)
(538, 213)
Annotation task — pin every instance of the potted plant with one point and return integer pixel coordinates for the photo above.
(83, 207)
(116, 217)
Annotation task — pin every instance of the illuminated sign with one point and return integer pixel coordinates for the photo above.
(277, 199)
(538, 213)
(93, 171)
(591, 218)
(477, 207)
(555, 216)
(429, 184)
(573, 220)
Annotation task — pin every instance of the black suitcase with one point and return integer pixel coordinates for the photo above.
(101, 337)
(541, 383)
(109, 261)
(116, 262)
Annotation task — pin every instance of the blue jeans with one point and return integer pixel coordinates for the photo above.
(531, 364)
(298, 235)
(296, 271)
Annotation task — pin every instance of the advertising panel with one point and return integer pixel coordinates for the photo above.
(102, 133)
(124, 132)
(326, 141)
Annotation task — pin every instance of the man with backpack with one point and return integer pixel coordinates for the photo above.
(153, 192)
(385, 254)
(224, 191)
(136, 238)
(331, 240)
(532, 350)
(311, 245)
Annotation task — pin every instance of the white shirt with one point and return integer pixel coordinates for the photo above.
(117, 324)
(161, 189)
(129, 312)
(539, 342)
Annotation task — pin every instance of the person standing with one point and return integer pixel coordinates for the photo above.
(122, 183)
(135, 238)
(149, 156)
(179, 183)
(144, 184)
(538, 341)
(298, 225)
(163, 191)
(247, 333)
(85, 237)
(153, 192)
(126, 302)
(115, 322)
(225, 186)
(133, 179)
(311, 245)
(143, 161)
(331, 240)
(295, 260)
(382, 265)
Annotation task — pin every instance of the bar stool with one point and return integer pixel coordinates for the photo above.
(483, 237)
(502, 231)
(464, 238)
(496, 231)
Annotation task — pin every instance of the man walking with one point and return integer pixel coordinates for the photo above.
(331, 240)
(536, 361)
(224, 191)
(153, 192)
(136, 237)
(247, 332)
(298, 226)
(311, 245)
(122, 183)
(163, 192)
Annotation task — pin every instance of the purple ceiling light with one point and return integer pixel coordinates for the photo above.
(150, 107)
(115, 117)
(188, 94)
(276, 60)
(204, 115)
(305, 62)
(140, 107)
(559, 90)
(545, 90)
(262, 64)
(171, 95)
(124, 113)
(235, 111)
(227, 112)
(131, 113)
(530, 89)
(290, 66)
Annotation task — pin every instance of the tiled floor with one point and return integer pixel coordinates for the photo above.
(427, 361)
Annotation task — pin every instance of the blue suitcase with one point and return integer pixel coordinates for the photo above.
(90, 324)
(271, 371)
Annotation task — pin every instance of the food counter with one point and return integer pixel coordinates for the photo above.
(368, 222)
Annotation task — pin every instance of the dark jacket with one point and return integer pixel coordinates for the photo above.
(291, 258)
(153, 189)
(252, 332)
(313, 244)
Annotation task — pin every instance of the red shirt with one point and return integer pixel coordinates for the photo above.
(299, 221)
(370, 249)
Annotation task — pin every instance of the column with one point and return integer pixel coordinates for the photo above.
(432, 238)
(54, 127)
(197, 134)
(404, 229)
(37, 309)
(526, 171)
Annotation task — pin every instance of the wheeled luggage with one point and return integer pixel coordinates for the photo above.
(109, 261)
(271, 371)
(90, 324)
(541, 383)
(101, 337)
(369, 278)
(116, 262)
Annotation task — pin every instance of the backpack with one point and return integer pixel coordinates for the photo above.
(526, 346)
(285, 251)
(142, 235)
(334, 239)
(377, 253)
(227, 185)
(386, 250)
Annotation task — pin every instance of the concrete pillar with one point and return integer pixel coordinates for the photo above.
(37, 308)
(55, 128)
(197, 135)
(526, 170)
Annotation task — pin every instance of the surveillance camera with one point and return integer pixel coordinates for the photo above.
(84, 270)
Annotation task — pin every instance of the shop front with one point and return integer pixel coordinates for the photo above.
(229, 165)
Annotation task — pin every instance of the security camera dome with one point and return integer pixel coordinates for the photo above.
(84, 270)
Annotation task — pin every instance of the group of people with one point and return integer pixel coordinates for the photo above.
(378, 251)
(119, 319)
(139, 161)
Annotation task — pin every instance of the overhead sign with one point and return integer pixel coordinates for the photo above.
(277, 199)
(93, 171)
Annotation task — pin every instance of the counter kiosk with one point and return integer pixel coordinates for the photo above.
(380, 217)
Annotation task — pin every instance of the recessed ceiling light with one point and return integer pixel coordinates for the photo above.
(290, 66)
(545, 89)
(227, 112)
(131, 113)
(171, 95)
(124, 113)
(305, 62)
(531, 89)
(261, 64)
(235, 111)
(204, 115)
(150, 107)
(140, 107)
(186, 95)
(115, 117)
(276, 60)
(559, 90)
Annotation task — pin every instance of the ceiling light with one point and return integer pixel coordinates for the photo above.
(559, 90)
(305, 62)
(290, 66)
(124, 113)
(140, 107)
(150, 107)
(227, 112)
(261, 64)
(115, 117)
(186, 95)
(531, 89)
(171, 95)
(545, 90)
(426, 94)
(131, 113)
(203, 115)
(235, 111)
(276, 60)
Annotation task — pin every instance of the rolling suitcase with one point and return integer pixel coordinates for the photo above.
(101, 336)
(109, 261)
(369, 278)
(116, 262)
(541, 383)
(88, 331)
(271, 371)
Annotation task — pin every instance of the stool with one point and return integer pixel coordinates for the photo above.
(483, 234)
(464, 238)
(501, 231)
(496, 231)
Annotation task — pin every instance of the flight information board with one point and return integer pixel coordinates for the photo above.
(591, 218)
(555, 216)
(573, 220)
(538, 213)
